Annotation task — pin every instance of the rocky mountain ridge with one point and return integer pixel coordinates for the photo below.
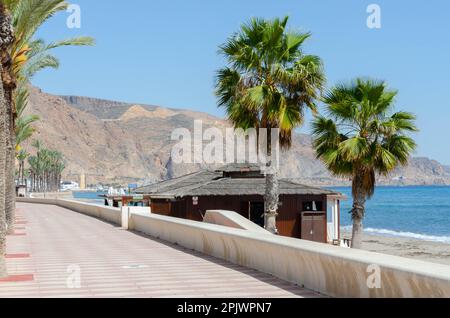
(120, 143)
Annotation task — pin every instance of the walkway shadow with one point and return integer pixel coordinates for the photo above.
(260, 276)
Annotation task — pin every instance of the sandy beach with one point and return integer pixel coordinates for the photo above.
(410, 248)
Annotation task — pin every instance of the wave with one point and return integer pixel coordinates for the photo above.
(391, 233)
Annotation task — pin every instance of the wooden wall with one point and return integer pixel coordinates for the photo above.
(289, 218)
(162, 207)
(288, 221)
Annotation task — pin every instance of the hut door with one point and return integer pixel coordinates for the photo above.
(257, 213)
(314, 227)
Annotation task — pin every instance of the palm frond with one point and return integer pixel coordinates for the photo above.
(24, 129)
(29, 15)
(78, 41)
(268, 78)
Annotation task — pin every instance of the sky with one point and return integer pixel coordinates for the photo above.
(165, 52)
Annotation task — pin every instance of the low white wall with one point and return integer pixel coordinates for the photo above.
(112, 215)
(330, 270)
(127, 222)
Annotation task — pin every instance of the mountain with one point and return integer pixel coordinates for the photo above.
(120, 143)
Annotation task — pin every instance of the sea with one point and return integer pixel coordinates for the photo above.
(90, 197)
(417, 212)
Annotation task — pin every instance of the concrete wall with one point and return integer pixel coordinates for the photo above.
(127, 211)
(112, 215)
(330, 270)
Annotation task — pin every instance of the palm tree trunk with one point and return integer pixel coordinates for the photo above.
(9, 85)
(3, 136)
(272, 190)
(10, 191)
(358, 211)
(6, 39)
(21, 172)
(271, 200)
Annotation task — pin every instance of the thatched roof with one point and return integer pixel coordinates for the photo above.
(215, 183)
(229, 186)
(190, 180)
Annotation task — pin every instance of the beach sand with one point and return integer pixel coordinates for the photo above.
(410, 248)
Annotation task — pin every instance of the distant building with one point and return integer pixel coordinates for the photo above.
(82, 181)
(305, 212)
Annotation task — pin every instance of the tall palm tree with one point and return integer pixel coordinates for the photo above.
(3, 136)
(22, 155)
(3, 224)
(362, 138)
(269, 83)
(46, 168)
(26, 56)
(9, 84)
(6, 40)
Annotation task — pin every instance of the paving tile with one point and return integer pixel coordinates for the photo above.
(16, 256)
(17, 278)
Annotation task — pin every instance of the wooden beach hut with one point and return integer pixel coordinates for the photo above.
(305, 212)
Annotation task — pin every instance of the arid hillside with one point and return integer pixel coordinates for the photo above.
(119, 143)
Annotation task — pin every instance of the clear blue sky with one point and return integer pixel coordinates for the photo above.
(164, 52)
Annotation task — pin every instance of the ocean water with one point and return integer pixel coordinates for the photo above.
(91, 197)
(412, 212)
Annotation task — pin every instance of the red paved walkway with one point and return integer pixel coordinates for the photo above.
(57, 243)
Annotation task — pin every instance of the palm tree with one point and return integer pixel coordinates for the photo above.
(21, 60)
(22, 155)
(9, 84)
(3, 224)
(6, 39)
(269, 83)
(56, 167)
(46, 168)
(36, 166)
(362, 138)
